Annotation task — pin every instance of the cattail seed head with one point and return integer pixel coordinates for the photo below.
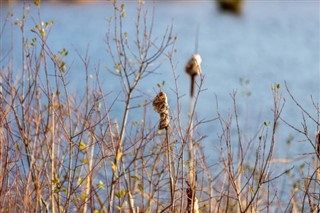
(193, 69)
(160, 105)
(193, 66)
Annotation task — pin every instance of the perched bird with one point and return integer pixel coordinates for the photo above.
(193, 68)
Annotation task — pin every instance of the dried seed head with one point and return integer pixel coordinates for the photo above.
(164, 122)
(193, 66)
(160, 105)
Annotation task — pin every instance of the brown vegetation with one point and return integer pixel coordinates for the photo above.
(61, 151)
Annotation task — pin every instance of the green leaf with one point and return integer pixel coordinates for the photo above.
(100, 185)
(117, 194)
(63, 52)
(135, 177)
(252, 191)
(267, 123)
(140, 187)
(33, 41)
(82, 146)
(62, 66)
(125, 35)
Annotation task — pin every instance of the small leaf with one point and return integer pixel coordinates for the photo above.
(56, 57)
(266, 123)
(83, 196)
(119, 156)
(163, 82)
(62, 66)
(252, 191)
(140, 187)
(113, 167)
(63, 52)
(56, 180)
(117, 194)
(43, 33)
(100, 185)
(82, 146)
(135, 177)
(33, 41)
(123, 193)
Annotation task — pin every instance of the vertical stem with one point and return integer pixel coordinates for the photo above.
(89, 173)
(2, 113)
(192, 169)
(52, 155)
(172, 187)
(118, 149)
(193, 82)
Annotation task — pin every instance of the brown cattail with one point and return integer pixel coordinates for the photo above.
(160, 105)
(193, 69)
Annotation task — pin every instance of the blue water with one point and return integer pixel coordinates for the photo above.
(271, 42)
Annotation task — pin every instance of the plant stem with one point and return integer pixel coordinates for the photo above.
(53, 207)
(90, 153)
(192, 168)
(172, 187)
(118, 149)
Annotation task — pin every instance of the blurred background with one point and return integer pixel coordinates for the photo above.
(246, 46)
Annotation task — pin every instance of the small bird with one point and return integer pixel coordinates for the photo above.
(193, 68)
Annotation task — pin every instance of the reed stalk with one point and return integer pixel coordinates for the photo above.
(53, 200)
(193, 69)
(160, 105)
(90, 152)
(172, 186)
